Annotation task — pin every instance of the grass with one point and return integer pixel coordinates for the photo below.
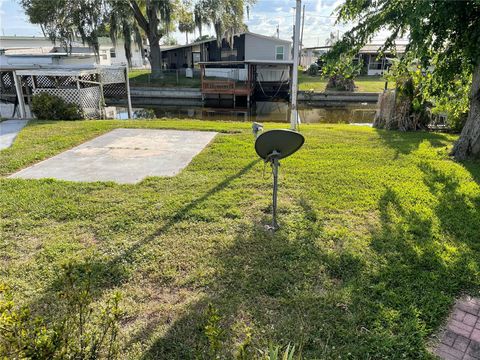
(142, 78)
(379, 234)
(318, 83)
(305, 81)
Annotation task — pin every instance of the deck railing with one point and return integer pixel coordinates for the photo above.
(227, 86)
(218, 86)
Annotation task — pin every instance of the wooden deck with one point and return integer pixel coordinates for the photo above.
(227, 86)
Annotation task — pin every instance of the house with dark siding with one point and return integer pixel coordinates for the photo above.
(246, 46)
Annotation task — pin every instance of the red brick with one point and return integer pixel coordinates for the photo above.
(458, 315)
(469, 306)
(475, 335)
(474, 350)
(461, 343)
(470, 319)
(449, 353)
(460, 328)
(449, 337)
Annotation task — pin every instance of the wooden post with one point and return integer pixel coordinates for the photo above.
(201, 82)
(21, 100)
(102, 96)
(129, 99)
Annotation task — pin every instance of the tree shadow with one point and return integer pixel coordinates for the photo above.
(290, 287)
(473, 166)
(406, 142)
(102, 273)
(428, 255)
(273, 285)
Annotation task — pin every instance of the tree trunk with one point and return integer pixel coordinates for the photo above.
(155, 58)
(469, 142)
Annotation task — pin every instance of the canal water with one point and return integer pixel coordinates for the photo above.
(261, 111)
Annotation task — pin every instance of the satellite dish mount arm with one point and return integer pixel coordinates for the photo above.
(274, 162)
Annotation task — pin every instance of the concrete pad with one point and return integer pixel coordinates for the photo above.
(9, 130)
(124, 156)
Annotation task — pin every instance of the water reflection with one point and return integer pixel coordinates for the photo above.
(261, 111)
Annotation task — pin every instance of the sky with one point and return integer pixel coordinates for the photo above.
(264, 17)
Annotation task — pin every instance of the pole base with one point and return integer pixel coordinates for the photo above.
(272, 228)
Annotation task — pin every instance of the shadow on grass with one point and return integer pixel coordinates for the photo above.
(276, 286)
(429, 255)
(295, 287)
(406, 142)
(473, 166)
(103, 273)
(289, 287)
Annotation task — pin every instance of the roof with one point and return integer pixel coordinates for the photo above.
(376, 47)
(367, 49)
(59, 70)
(268, 37)
(254, 62)
(175, 47)
(326, 47)
(15, 37)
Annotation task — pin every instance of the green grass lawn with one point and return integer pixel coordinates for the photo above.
(318, 83)
(380, 232)
(142, 78)
(305, 81)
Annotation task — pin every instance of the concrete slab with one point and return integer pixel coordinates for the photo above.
(9, 130)
(124, 156)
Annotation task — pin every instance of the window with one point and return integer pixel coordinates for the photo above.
(196, 57)
(279, 52)
(113, 54)
(228, 54)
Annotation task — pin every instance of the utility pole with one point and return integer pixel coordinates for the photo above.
(278, 31)
(296, 39)
(301, 35)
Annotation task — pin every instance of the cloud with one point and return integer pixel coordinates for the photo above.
(327, 5)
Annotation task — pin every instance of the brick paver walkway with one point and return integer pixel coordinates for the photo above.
(461, 338)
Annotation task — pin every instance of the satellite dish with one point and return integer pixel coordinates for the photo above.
(272, 146)
(284, 142)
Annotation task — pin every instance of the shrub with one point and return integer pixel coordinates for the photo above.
(78, 329)
(313, 70)
(50, 107)
(342, 73)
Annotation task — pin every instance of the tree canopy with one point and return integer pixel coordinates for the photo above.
(444, 36)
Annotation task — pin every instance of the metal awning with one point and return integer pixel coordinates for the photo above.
(57, 72)
(269, 62)
(253, 62)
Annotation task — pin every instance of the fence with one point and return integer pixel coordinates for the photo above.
(170, 77)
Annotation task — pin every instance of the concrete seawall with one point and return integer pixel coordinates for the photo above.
(193, 97)
(338, 96)
(166, 96)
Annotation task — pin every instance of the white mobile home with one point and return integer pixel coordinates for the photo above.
(31, 50)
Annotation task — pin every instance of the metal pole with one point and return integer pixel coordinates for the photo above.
(301, 35)
(296, 39)
(275, 165)
(21, 100)
(129, 99)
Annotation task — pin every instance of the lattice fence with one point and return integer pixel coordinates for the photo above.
(87, 98)
(112, 76)
(7, 85)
